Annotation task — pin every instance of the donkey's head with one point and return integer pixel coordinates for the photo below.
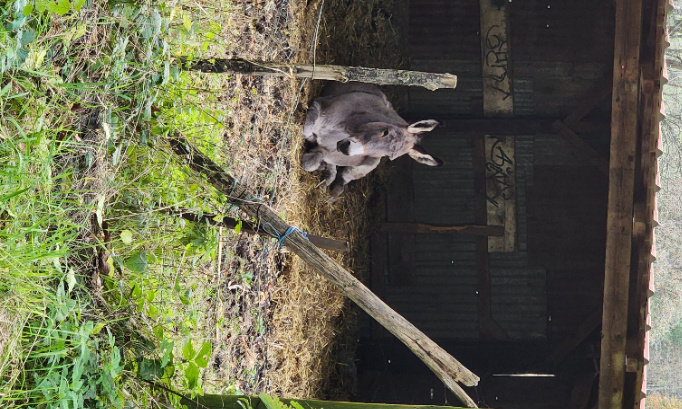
(379, 139)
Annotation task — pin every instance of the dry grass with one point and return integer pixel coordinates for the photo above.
(288, 331)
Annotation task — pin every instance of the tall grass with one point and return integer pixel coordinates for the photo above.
(93, 302)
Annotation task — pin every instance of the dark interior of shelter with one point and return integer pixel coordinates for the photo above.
(506, 307)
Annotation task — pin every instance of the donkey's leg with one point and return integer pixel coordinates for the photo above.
(329, 174)
(311, 118)
(350, 173)
(313, 159)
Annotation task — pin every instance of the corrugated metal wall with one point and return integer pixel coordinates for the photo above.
(559, 49)
(553, 282)
(441, 298)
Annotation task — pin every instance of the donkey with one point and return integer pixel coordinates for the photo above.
(352, 126)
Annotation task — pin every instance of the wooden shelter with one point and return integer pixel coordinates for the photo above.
(528, 255)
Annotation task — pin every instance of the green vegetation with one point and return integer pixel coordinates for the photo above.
(88, 90)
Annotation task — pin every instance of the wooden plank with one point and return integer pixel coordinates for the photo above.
(473, 230)
(591, 99)
(444, 366)
(561, 351)
(496, 54)
(624, 133)
(595, 158)
(582, 389)
(515, 126)
(498, 101)
(500, 166)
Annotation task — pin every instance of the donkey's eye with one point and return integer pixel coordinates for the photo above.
(385, 133)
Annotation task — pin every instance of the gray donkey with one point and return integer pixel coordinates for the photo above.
(354, 126)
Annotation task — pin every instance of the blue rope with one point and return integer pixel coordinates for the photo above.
(280, 239)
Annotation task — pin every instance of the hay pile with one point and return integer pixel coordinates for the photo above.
(307, 349)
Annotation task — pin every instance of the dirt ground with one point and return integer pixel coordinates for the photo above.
(292, 333)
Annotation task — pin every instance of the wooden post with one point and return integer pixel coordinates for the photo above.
(624, 134)
(498, 101)
(445, 367)
(429, 80)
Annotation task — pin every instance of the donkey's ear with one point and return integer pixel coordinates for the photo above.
(420, 155)
(422, 126)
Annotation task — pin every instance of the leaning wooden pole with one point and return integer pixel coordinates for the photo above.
(214, 220)
(379, 76)
(446, 368)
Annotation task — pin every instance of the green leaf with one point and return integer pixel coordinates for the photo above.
(61, 7)
(100, 210)
(272, 402)
(78, 4)
(28, 9)
(186, 22)
(192, 375)
(158, 331)
(97, 328)
(150, 369)
(238, 227)
(188, 350)
(70, 279)
(137, 262)
(27, 37)
(186, 297)
(126, 236)
(204, 355)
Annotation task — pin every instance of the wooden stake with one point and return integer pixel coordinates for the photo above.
(444, 366)
(379, 76)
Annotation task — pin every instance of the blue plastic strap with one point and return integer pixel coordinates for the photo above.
(270, 229)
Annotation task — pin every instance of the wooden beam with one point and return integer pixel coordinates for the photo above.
(582, 390)
(444, 366)
(516, 126)
(472, 230)
(429, 80)
(589, 101)
(595, 158)
(624, 135)
(578, 335)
